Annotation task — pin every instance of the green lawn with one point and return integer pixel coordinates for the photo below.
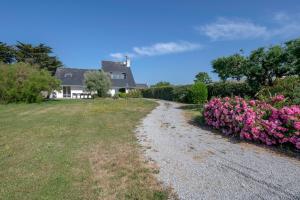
(83, 149)
(193, 113)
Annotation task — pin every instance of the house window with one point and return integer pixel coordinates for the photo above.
(66, 91)
(118, 76)
(68, 75)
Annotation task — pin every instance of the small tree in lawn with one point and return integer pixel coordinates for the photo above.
(97, 81)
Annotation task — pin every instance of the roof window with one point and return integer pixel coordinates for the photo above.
(68, 75)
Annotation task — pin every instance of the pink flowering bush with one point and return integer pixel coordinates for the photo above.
(271, 123)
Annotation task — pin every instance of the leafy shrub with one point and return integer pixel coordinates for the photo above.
(97, 81)
(180, 93)
(255, 120)
(25, 83)
(197, 93)
(121, 95)
(130, 94)
(223, 89)
(166, 93)
(134, 94)
(288, 87)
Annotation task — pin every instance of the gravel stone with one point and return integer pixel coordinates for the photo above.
(199, 164)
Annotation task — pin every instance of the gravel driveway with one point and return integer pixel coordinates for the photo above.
(199, 164)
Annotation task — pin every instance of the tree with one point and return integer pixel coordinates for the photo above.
(203, 77)
(7, 53)
(292, 53)
(266, 64)
(97, 81)
(161, 84)
(229, 67)
(37, 55)
(22, 82)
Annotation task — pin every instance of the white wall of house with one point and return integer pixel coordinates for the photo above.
(112, 92)
(74, 90)
(78, 90)
(59, 94)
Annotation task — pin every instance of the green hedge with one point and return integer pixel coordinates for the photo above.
(223, 89)
(180, 93)
(131, 94)
(183, 93)
(289, 87)
(197, 93)
(165, 93)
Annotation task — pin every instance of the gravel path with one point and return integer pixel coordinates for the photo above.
(199, 164)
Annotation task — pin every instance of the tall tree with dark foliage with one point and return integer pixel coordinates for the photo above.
(37, 55)
(7, 53)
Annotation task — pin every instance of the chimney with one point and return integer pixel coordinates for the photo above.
(127, 61)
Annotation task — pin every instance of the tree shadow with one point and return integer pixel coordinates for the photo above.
(191, 107)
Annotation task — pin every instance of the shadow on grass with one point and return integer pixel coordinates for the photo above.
(191, 107)
(195, 118)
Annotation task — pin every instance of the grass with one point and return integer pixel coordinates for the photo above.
(193, 113)
(82, 149)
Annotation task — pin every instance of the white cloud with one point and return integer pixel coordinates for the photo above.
(165, 48)
(159, 49)
(226, 29)
(117, 55)
(281, 17)
(284, 26)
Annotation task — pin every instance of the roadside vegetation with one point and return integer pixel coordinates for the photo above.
(22, 82)
(257, 98)
(78, 149)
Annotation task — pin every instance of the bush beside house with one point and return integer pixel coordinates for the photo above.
(97, 81)
(21, 82)
(131, 94)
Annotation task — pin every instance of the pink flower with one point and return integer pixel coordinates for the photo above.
(278, 98)
(298, 145)
(252, 102)
(255, 120)
(297, 125)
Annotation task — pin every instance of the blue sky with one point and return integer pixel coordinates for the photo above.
(167, 40)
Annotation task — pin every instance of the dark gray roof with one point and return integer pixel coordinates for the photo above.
(119, 67)
(71, 76)
(141, 85)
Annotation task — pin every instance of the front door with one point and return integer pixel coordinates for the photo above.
(66, 91)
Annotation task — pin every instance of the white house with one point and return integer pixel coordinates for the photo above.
(72, 80)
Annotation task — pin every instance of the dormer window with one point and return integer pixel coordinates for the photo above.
(118, 76)
(68, 75)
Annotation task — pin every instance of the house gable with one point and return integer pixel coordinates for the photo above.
(121, 75)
